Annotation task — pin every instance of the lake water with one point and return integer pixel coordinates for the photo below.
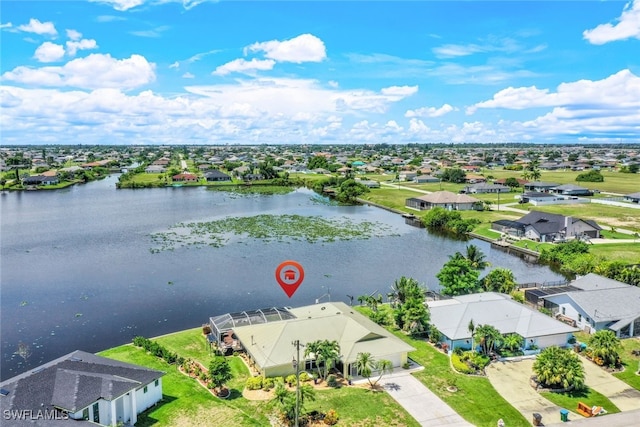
(77, 271)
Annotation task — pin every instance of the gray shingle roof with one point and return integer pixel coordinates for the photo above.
(72, 382)
(607, 304)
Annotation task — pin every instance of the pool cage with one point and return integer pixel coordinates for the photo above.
(222, 326)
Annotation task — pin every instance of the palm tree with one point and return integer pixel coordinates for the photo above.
(328, 352)
(513, 342)
(366, 364)
(559, 368)
(472, 328)
(311, 351)
(605, 345)
(487, 336)
(476, 257)
(401, 288)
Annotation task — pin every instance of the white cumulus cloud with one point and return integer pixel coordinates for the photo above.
(399, 91)
(74, 46)
(304, 48)
(430, 111)
(243, 66)
(626, 27)
(49, 52)
(94, 71)
(618, 90)
(73, 34)
(121, 5)
(37, 27)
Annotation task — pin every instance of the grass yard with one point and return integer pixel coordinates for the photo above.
(188, 404)
(476, 400)
(628, 252)
(391, 197)
(587, 395)
(631, 363)
(185, 403)
(605, 215)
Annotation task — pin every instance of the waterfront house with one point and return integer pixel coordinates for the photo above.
(185, 177)
(80, 389)
(267, 336)
(442, 199)
(571, 190)
(547, 227)
(453, 316)
(216, 176)
(155, 169)
(594, 303)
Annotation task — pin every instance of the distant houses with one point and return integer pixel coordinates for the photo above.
(548, 227)
(81, 388)
(442, 199)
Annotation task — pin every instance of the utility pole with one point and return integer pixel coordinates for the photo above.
(296, 364)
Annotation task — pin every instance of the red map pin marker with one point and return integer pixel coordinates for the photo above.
(289, 276)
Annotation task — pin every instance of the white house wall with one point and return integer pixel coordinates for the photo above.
(559, 340)
(148, 399)
(567, 308)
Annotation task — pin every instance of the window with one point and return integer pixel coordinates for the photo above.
(144, 390)
(157, 383)
(85, 414)
(96, 413)
(564, 310)
(579, 317)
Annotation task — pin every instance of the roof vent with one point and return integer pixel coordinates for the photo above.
(4, 391)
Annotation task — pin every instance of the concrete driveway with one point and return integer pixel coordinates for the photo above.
(420, 402)
(620, 393)
(511, 380)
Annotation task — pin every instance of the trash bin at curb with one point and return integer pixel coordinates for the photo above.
(537, 419)
(564, 415)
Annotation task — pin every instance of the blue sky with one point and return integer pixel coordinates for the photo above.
(240, 72)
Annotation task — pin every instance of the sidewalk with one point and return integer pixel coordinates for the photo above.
(427, 408)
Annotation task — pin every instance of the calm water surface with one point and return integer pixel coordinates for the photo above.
(77, 271)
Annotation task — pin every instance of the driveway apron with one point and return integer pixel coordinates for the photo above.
(420, 402)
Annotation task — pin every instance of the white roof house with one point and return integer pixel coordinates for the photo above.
(600, 303)
(452, 318)
(270, 344)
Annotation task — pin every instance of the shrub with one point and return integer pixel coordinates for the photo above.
(268, 383)
(305, 377)
(331, 417)
(591, 176)
(254, 383)
(332, 381)
(291, 380)
(206, 329)
(459, 365)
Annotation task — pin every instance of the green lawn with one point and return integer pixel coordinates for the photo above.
(629, 252)
(391, 197)
(588, 396)
(476, 400)
(631, 363)
(604, 214)
(188, 404)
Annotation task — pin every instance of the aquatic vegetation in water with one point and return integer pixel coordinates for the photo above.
(267, 228)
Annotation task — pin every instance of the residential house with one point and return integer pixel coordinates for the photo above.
(267, 336)
(80, 389)
(155, 169)
(407, 175)
(571, 190)
(423, 179)
(474, 179)
(548, 227)
(598, 303)
(484, 187)
(453, 316)
(633, 197)
(443, 199)
(216, 175)
(185, 177)
(540, 186)
(34, 180)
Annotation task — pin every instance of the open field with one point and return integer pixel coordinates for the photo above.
(188, 404)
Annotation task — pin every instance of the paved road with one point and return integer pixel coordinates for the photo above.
(427, 408)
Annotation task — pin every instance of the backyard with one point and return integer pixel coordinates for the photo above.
(186, 403)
